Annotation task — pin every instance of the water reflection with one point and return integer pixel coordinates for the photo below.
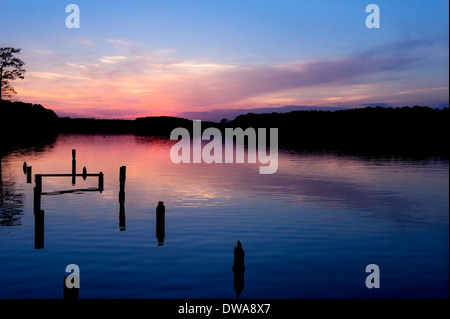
(11, 201)
(318, 209)
(347, 181)
(39, 214)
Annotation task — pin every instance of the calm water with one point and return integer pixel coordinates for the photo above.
(308, 231)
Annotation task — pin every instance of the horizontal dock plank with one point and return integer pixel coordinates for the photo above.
(67, 175)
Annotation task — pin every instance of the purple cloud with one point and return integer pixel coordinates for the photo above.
(230, 86)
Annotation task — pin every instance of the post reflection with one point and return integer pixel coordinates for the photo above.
(39, 229)
(122, 226)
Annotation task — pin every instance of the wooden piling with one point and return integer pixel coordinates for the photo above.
(74, 166)
(239, 254)
(24, 166)
(37, 193)
(238, 269)
(38, 180)
(29, 176)
(100, 182)
(122, 178)
(84, 173)
(160, 223)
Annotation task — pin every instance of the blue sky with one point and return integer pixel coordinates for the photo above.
(182, 57)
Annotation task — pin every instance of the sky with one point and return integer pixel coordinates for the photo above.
(208, 59)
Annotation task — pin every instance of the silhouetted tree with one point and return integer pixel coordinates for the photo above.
(11, 68)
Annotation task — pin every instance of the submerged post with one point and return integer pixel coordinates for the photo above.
(123, 171)
(122, 226)
(238, 269)
(122, 178)
(74, 166)
(37, 193)
(100, 182)
(160, 223)
(29, 178)
(38, 180)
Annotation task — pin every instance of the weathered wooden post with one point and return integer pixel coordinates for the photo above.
(39, 229)
(160, 223)
(37, 193)
(38, 180)
(74, 166)
(122, 178)
(100, 182)
(238, 269)
(29, 176)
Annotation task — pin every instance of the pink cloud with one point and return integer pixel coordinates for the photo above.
(144, 82)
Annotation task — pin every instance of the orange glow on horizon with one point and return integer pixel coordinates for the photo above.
(132, 86)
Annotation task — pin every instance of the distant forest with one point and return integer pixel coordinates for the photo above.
(414, 130)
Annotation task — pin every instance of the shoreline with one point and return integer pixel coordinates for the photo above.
(407, 131)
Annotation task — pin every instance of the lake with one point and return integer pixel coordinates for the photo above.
(308, 231)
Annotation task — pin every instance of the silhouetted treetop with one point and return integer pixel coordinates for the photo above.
(11, 68)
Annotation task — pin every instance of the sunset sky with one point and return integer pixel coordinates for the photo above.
(201, 59)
